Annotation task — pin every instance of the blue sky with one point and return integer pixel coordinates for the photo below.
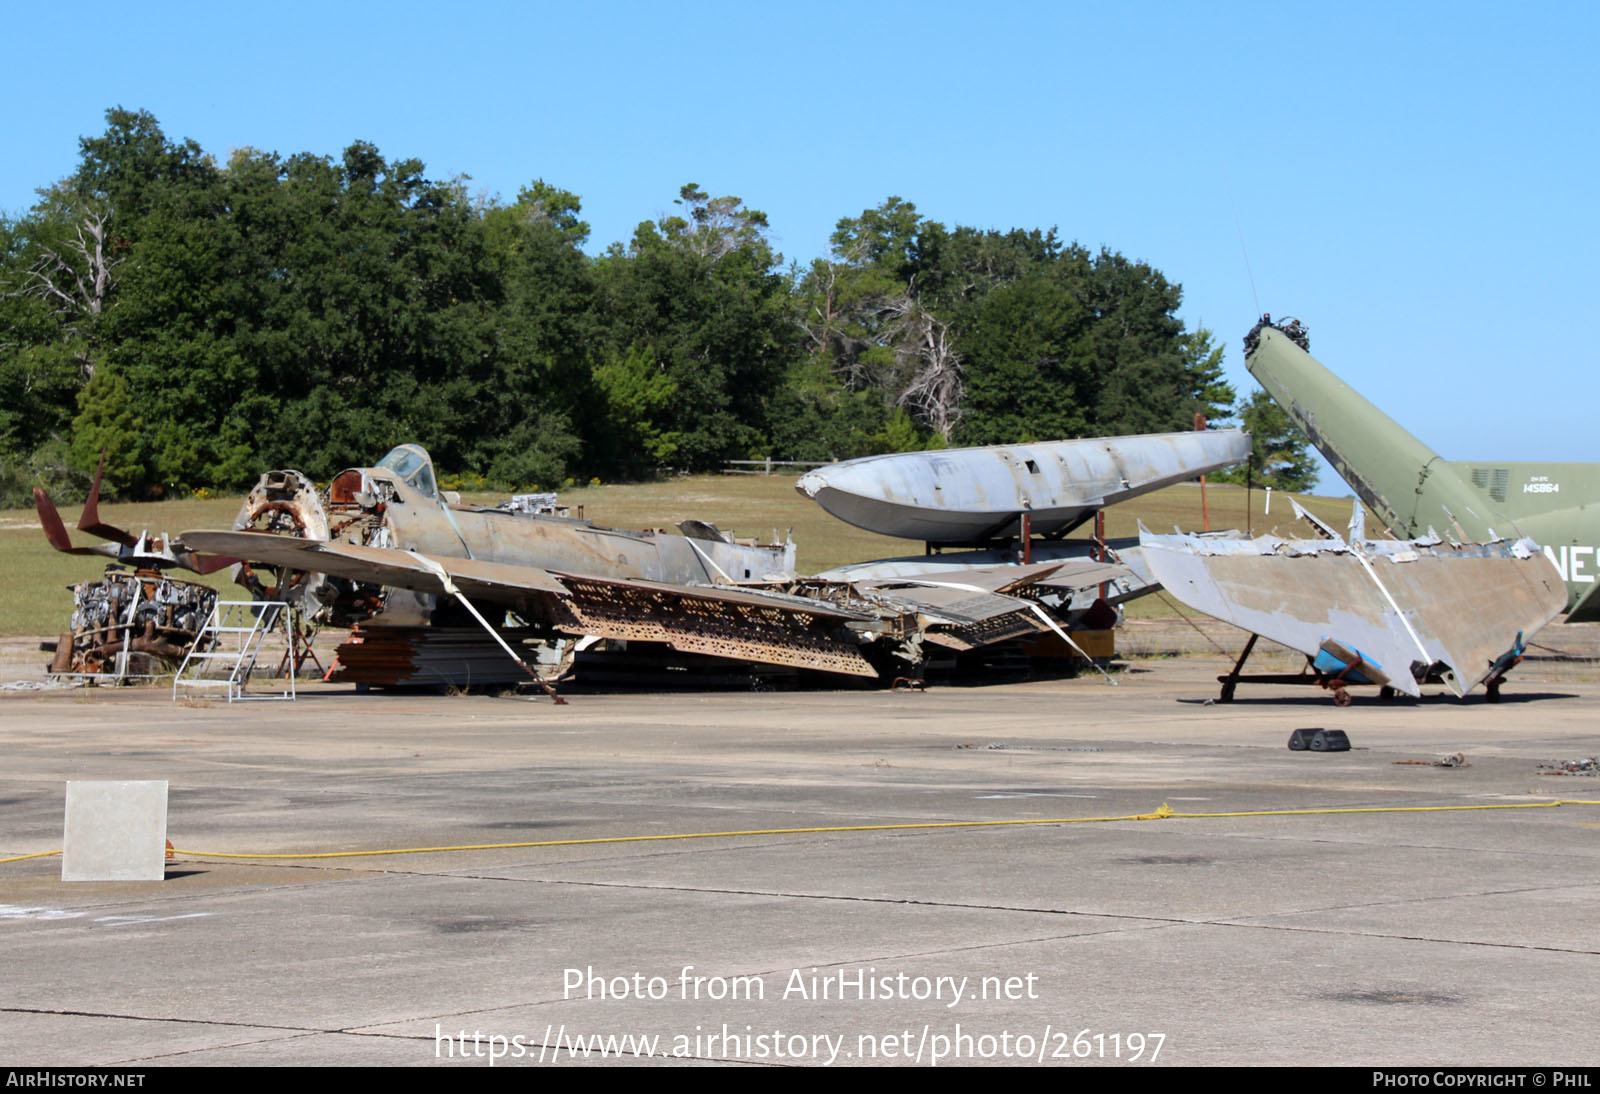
(1416, 181)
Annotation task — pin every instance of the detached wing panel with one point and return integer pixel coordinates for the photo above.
(1470, 607)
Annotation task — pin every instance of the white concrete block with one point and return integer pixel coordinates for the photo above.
(115, 831)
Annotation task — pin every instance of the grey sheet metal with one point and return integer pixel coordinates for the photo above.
(997, 579)
(974, 495)
(1075, 576)
(375, 565)
(937, 604)
(1406, 605)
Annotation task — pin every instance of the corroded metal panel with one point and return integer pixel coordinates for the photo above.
(985, 632)
(744, 627)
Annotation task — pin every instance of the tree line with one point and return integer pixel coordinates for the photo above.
(201, 321)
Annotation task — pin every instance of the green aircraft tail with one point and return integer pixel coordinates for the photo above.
(1412, 489)
(1404, 481)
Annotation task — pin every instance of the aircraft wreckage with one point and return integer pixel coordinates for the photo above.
(1410, 487)
(383, 549)
(1394, 613)
(383, 545)
(136, 619)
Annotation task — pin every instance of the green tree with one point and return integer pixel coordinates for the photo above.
(1212, 395)
(866, 324)
(200, 322)
(542, 417)
(638, 393)
(885, 238)
(43, 364)
(1030, 371)
(814, 416)
(1280, 454)
(993, 336)
(702, 296)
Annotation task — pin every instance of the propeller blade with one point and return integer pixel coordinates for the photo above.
(90, 520)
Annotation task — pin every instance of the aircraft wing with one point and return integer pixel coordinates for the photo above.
(371, 565)
(968, 608)
(1067, 571)
(748, 623)
(1405, 607)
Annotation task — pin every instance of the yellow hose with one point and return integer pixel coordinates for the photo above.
(1166, 812)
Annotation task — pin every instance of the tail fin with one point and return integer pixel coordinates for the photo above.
(1403, 480)
(129, 549)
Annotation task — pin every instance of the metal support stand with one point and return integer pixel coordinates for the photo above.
(1230, 681)
(1338, 683)
(299, 649)
(1335, 683)
(1101, 551)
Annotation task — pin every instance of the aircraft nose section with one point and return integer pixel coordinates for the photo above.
(810, 484)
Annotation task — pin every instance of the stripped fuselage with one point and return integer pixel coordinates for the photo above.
(976, 496)
(397, 505)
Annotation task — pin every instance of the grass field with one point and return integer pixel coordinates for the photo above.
(34, 600)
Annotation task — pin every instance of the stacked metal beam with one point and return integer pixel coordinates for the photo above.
(430, 657)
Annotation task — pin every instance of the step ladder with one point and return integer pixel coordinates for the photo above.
(224, 654)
